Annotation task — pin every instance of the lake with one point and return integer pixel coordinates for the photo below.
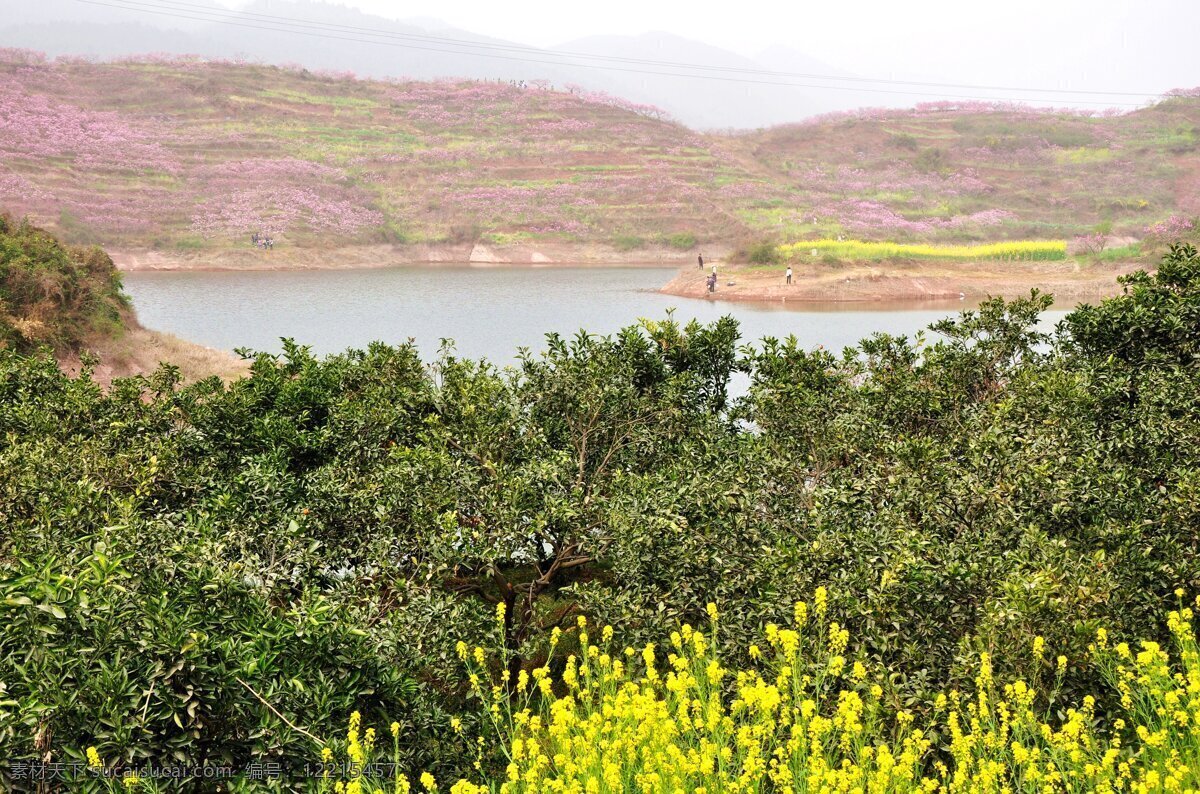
(488, 312)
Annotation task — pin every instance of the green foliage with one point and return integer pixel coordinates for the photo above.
(1083, 155)
(1155, 324)
(930, 160)
(165, 662)
(52, 294)
(628, 242)
(73, 230)
(322, 533)
(1124, 253)
(1066, 137)
(682, 240)
(763, 252)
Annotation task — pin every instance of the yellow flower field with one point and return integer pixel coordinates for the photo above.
(806, 718)
(1017, 250)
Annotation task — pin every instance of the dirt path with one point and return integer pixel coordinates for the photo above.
(887, 282)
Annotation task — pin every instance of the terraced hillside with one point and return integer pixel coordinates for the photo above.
(945, 171)
(183, 156)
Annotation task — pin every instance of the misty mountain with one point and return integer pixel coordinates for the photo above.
(62, 12)
(746, 101)
(379, 47)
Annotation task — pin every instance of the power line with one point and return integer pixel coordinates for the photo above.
(131, 5)
(277, 19)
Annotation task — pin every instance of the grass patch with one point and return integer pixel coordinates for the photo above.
(1118, 254)
(190, 243)
(505, 238)
(1177, 141)
(681, 240)
(333, 100)
(628, 242)
(1083, 155)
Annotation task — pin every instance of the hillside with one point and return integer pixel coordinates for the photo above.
(188, 157)
(68, 300)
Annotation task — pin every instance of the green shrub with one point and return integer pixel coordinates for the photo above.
(190, 243)
(73, 230)
(682, 241)
(51, 294)
(930, 160)
(180, 653)
(628, 242)
(393, 233)
(764, 252)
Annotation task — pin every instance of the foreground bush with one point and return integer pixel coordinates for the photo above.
(217, 573)
(806, 717)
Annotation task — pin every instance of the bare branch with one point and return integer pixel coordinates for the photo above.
(275, 711)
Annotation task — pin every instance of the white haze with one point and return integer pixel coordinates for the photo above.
(1072, 46)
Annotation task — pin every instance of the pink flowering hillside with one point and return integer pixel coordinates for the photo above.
(181, 154)
(979, 171)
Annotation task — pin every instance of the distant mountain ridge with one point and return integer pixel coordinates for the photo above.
(67, 27)
(711, 103)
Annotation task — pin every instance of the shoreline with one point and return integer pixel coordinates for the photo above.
(865, 283)
(935, 282)
(137, 350)
(423, 255)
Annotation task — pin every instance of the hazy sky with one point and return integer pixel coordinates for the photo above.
(1101, 44)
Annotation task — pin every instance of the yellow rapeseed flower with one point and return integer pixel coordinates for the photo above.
(699, 726)
(1035, 250)
(820, 601)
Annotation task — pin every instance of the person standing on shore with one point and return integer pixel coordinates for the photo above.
(789, 274)
(700, 260)
(712, 281)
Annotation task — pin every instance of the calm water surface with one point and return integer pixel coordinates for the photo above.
(488, 312)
